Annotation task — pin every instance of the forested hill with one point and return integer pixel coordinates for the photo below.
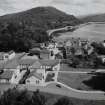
(94, 18)
(20, 30)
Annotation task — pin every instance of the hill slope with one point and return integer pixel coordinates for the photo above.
(20, 30)
(94, 18)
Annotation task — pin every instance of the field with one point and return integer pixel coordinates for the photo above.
(53, 98)
(91, 32)
(75, 80)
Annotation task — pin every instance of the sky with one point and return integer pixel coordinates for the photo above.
(75, 7)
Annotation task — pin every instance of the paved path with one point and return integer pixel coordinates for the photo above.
(74, 72)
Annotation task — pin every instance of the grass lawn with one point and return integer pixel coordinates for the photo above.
(54, 85)
(65, 67)
(75, 80)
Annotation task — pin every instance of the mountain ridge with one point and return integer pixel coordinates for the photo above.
(94, 18)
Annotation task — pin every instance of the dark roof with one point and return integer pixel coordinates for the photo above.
(11, 64)
(10, 52)
(6, 75)
(27, 61)
(101, 56)
(36, 65)
(45, 51)
(49, 62)
(2, 64)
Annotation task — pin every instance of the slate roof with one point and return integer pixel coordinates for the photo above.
(49, 62)
(45, 51)
(11, 64)
(10, 52)
(27, 61)
(36, 65)
(33, 73)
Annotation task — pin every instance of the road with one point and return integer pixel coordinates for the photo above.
(70, 92)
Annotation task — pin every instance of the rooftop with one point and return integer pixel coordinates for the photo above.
(10, 52)
(6, 75)
(49, 62)
(36, 65)
(27, 61)
(45, 51)
(39, 76)
(29, 57)
(11, 64)
(1, 55)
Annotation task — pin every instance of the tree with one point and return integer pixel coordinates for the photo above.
(21, 97)
(97, 81)
(14, 97)
(38, 99)
(63, 101)
(20, 36)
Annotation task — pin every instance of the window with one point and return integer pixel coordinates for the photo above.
(6, 56)
(37, 81)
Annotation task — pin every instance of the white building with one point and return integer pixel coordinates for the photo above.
(7, 56)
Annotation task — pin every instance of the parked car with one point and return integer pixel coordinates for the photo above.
(58, 85)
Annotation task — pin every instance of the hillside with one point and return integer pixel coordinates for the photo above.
(20, 30)
(94, 18)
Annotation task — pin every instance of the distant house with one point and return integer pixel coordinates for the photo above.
(36, 45)
(30, 56)
(45, 54)
(17, 71)
(35, 79)
(84, 41)
(6, 77)
(53, 64)
(11, 55)
(7, 56)
(90, 50)
(60, 44)
(68, 50)
(4, 56)
(68, 43)
(78, 52)
(26, 63)
(38, 70)
(42, 45)
(52, 45)
(59, 56)
(34, 51)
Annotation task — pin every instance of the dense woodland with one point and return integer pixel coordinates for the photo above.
(19, 31)
(24, 97)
